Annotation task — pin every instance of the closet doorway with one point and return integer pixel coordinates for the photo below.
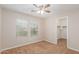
(62, 31)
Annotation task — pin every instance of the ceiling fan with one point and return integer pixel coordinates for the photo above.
(43, 8)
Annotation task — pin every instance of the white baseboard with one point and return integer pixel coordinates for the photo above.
(73, 49)
(51, 42)
(20, 45)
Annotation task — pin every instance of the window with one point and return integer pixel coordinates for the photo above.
(21, 28)
(24, 27)
(34, 29)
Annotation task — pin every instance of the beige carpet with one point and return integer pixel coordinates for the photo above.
(42, 47)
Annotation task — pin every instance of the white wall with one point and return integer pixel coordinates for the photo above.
(73, 30)
(51, 29)
(0, 28)
(9, 29)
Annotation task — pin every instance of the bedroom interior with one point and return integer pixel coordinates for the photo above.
(39, 29)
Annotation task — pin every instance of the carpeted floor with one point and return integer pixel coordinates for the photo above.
(42, 47)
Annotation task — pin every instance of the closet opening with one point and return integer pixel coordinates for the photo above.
(62, 31)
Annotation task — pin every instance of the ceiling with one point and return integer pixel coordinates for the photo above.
(55, 8)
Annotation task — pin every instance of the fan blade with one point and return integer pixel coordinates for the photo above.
(47, 11)
(48, 5)
(35, 5)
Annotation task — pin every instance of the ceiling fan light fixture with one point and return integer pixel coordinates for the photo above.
(43, 8)
(40, 12)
